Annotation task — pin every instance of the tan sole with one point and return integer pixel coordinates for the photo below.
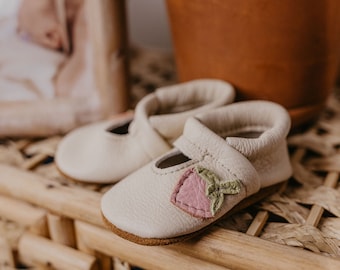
(263, 193)
(78, 181)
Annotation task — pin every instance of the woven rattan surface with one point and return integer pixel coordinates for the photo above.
(49, 222)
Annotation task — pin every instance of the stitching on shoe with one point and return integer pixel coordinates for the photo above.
(207, 153)
(192, 207)
(182, 181)
(189, 207)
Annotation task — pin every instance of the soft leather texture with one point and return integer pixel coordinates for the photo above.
(243, 141)
(93, 154)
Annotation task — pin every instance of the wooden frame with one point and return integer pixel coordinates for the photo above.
(108, 32)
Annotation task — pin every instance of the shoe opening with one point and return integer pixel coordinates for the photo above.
(122, 129)
(176, 159)
(248, 132)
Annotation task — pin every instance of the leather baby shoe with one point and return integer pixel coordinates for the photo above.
(105, 152)
(222, 157)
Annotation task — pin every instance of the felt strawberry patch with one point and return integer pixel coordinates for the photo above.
(201, 193)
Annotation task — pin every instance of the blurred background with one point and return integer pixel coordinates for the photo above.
(148, 24)
(147, 20)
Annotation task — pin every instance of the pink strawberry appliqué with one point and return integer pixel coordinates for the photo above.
(200, 192)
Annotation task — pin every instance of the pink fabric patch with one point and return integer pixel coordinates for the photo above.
(189, 195)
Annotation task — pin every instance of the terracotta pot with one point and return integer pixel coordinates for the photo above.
(283, 51)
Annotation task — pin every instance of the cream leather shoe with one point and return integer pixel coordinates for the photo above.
(105, 152)
(223, 157)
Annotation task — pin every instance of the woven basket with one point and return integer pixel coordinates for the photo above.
(48, 222)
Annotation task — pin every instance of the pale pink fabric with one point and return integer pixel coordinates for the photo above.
(189, 195)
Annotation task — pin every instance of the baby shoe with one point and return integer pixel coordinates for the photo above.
(105, 152)
(222, 157)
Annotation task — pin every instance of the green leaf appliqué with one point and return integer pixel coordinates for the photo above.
(217, 189)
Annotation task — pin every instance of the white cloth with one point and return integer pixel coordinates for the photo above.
(27, 70)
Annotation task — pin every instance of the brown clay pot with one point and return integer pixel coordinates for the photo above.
(284, 51)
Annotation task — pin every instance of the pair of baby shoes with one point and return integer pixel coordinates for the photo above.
(186, 159)
(107, 151)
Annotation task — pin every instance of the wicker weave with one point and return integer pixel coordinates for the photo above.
(49, 222)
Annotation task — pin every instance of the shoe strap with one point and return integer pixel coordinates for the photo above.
(203, 145)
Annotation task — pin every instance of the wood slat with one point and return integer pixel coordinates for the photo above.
(24, 214)
(149, 257)
(61, 230)
(6, 255)
(317, 211)
(72, 202)
(39, 251)
(240, 251)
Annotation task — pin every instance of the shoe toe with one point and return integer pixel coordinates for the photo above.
(76, 154)
(143, 211)
(141, 205)
(95, 155)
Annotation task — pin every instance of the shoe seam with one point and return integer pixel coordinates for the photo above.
(204, 153)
